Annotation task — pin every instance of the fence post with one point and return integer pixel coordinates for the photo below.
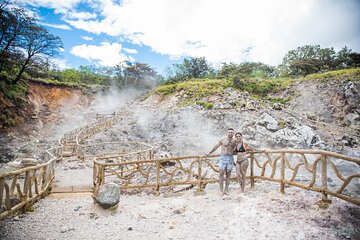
(157, 178)
(325, 198)
(282, 173)
(252, 169)
(199, 174)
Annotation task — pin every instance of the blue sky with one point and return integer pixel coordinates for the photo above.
(163, 32)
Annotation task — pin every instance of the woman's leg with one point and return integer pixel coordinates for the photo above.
(243, 167)
(238, 172)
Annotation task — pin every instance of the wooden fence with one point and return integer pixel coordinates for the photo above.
(20, 188)
(286, 166)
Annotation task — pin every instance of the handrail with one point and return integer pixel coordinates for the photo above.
(35, 182)
(194, 170)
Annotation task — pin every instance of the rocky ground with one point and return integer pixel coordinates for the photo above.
(315, 119)
(259, 213)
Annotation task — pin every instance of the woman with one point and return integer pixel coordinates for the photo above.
(242, 161)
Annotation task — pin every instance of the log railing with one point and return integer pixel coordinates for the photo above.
(20, 188)
(308, 169)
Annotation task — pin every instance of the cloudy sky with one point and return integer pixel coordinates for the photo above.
(163, 32)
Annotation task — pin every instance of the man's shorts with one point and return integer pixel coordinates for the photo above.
(226, 162)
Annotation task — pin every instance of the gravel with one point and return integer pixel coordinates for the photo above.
(259, 213)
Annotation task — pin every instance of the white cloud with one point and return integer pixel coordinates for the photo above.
(60, 6)
(107, 54)
(87, 38)
(60, 63)
(72, 14)
(222, 30)
(59, 26)
(130, 51)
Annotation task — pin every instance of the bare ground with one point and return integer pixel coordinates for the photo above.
(259, 213)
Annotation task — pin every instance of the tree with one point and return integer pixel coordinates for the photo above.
(347, 59)
(13, 26)
(246, 69)
(37, 41)
(190, 68)
(120, 72)
(309, 59)
(140, 74)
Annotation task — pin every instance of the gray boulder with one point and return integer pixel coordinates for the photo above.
(108, 195)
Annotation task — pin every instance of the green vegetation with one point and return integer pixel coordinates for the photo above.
(205, 105)
(344, 74)
(262, 87)
(196, 88)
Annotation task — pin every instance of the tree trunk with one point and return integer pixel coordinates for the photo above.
(21, 71)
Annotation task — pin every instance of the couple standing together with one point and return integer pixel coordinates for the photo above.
(232, 146)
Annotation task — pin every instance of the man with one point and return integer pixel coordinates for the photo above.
(226, 159)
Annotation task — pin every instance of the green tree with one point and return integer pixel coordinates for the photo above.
(309, 59)
(13, 26)
(37, 43)
(246, 70)
(190, 68)
(140, 75)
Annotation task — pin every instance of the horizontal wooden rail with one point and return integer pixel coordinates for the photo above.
(282, 166)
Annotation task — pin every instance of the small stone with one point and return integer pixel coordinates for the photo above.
(77, 208)
(130, 228)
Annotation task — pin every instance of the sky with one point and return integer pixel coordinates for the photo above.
(164, 32)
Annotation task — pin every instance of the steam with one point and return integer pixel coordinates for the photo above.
(179, 132)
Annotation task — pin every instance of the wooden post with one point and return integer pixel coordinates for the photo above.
(252, 169)
(282, 173)
(2, 183)
(157, 178)
(199, 174)
(325, 198)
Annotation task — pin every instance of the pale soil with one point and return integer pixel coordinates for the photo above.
(259, 213)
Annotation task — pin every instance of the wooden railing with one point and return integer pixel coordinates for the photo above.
(287, 166)
(20, 188)
(316, 168)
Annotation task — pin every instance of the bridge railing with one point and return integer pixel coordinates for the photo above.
(307, 169)
(20, 188)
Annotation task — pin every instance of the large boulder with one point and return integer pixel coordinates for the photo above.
(268, 122)
(108, 195)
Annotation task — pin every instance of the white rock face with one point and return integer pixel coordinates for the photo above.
(269, 122)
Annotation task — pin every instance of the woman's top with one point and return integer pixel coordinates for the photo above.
(241, 149)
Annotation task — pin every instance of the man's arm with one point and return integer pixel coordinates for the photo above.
(214, 148)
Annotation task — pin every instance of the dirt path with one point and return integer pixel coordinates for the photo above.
(260, 213)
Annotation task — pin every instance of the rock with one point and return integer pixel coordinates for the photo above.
(108, 195)
(351, 119)
(180, 210)
(277, 106)
(268, 122)
(26, 162)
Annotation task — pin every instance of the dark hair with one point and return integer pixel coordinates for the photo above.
(238, 133)
(230, 129)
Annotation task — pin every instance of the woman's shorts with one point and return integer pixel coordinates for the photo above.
(226, 162)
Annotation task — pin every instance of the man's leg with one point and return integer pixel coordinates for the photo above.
(221, 180)
(227, 181)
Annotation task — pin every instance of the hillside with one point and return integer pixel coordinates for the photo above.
(319, 111)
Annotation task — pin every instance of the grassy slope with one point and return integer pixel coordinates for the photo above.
(194, 91)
